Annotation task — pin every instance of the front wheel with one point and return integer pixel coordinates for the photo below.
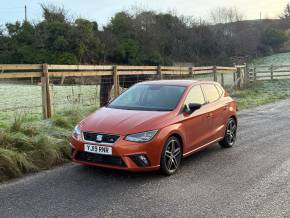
(171, 156)
(230, 134)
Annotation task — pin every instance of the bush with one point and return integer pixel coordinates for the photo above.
(273, 38)
(14, 164)
(29, 146)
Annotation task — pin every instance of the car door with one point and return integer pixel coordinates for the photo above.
(216, 111)
(195, 125)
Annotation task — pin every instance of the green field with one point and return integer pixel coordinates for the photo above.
(26, 99)
(276, 59)
(262, 93)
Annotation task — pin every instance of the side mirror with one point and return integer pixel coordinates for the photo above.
(192, 107)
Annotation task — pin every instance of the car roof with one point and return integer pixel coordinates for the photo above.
(175, 82)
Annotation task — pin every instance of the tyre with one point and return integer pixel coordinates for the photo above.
(171, 156)
(230, 134)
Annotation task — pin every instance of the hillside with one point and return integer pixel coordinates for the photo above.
(281, 58)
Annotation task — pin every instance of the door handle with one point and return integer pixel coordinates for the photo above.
(209, 115)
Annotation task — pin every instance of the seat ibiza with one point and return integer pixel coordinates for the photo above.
(154, 124)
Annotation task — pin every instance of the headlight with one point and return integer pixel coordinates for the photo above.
(141, 137)
(77, 132)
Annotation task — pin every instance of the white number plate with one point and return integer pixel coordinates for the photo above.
(98, 149)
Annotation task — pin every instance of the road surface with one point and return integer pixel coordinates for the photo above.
(251, 179)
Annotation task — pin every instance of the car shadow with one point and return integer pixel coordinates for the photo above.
(202, 155)
(106, 174)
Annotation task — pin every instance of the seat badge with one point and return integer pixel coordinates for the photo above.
(99, 138)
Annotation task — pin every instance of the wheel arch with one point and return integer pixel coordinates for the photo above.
(178, 135)
(234, 117)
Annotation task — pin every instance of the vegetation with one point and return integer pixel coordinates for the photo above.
(144, 37)
(286, 13)
(262, 93)
(30, 145)
(27, 99)
(273, 39)
(276, 59)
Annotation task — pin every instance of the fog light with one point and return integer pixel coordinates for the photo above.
(144, 159)
(140, 160)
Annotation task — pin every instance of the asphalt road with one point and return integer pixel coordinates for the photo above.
(250, 180)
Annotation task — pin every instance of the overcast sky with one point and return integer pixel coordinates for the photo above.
(102, 10)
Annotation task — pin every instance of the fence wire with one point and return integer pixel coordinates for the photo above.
(19, 97)
(23, 96)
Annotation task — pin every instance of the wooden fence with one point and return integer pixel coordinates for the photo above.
(268, 72)
(45, 72)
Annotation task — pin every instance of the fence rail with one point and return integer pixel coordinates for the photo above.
(35, 70)
(113, 72)
(268, 72)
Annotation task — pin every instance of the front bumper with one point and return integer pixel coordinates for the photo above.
(124, 156)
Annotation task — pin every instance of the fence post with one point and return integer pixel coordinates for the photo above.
(255, 73)
(214, 73)
(239, 77)
(47, 108)
(234, 74)
(190, 71)
(43, 96)
(116, 81)
(244, 76)
(222, 79)
(272, 71)
(159, 72)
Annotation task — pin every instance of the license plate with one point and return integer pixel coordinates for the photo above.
(96, 149)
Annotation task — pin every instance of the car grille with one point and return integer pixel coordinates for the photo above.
(99, 159)
(100, 138)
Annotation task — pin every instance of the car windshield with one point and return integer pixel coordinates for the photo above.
(149, 98)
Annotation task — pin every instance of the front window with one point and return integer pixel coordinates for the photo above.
(149, 98)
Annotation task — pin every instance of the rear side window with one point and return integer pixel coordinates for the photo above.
(220, 90)
(195, 95)
(211, 92)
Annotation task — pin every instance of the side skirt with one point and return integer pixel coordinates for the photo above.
(201, 147)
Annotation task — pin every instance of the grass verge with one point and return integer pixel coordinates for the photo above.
(29, 144)
(262, 93)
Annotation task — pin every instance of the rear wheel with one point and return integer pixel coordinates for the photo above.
(171, 156)
(230, 134)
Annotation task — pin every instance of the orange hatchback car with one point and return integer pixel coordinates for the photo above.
(154, 124)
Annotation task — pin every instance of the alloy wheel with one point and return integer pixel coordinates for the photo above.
(231, 133)
(172, 155)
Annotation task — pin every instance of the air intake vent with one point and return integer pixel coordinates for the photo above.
(100, 159)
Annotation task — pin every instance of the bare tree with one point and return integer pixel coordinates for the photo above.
(222, 15)
(286, 13)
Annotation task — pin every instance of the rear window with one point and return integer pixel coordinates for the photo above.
(220, 89)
